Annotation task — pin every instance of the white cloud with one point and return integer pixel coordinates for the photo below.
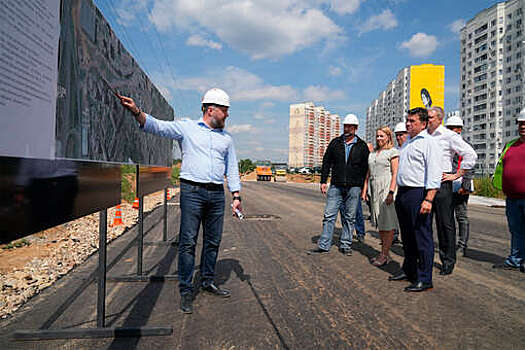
(242, 85)
(455, 27)
(420, 45)
(261, 29)
(240, 128)
(335, 71)
(385, 20)
(343, 7)
(322, 93)
(259, 116)
(197, 40)
(127, 11)
(267, 105)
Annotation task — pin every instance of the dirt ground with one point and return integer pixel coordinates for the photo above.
(297, 178)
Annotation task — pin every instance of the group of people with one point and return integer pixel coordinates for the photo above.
(404, 186)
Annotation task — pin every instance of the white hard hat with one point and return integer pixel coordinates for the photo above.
(400, 127)
(521, 116)
(216, 96)
(351, 119)
(454, 121)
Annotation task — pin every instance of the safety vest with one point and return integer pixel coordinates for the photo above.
(497, 178)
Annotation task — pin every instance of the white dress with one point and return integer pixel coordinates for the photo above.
(384, 216)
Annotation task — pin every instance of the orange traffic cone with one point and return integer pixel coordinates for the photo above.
(135, 203)
(118, 217)
(168, 195)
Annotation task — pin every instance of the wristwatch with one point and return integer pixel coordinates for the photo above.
(237, 197)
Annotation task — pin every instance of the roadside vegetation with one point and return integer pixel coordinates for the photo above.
(128, 176)
(483, 187)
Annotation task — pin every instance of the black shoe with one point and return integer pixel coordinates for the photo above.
(316, 251)
(419, 287)
(213, 289)
(186, 303)
(400, 276)
(346, 251)
(361, 238)
(446, 270)
(522, 268)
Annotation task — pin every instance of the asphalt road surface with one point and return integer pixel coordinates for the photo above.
(283, 298)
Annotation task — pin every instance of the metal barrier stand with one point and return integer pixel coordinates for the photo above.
(101, 331)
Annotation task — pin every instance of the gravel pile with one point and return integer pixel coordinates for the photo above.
(76, 241)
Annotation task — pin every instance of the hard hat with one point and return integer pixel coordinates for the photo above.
(400, 127)
(521, 116)
(454, 121)
(351, 119)
(216, 96)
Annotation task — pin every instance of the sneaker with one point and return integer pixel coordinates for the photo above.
(316, 251)
(361, 238)
(346, 251)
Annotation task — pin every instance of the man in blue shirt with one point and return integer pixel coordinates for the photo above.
(418, 178)
(208, 155)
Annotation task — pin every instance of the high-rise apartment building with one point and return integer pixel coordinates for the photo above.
(491, 92)
(415, 86)
(311, 130)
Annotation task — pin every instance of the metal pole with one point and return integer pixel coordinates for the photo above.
(140, 238)
(165, 229)
(101, 300)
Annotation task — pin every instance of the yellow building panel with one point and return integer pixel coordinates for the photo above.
(427, 86)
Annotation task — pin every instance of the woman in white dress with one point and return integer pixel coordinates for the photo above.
(380, 184)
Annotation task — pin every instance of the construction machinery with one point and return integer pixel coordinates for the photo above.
(280, 175)
(263, 169)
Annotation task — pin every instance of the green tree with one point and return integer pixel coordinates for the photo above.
(246, 165)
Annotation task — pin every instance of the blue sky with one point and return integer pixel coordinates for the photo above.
(267, 54)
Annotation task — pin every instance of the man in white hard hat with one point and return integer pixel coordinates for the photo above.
(461, 187)
(346, 158)
(509, 177)
(401, 133)
(450, 143)
(208, 155)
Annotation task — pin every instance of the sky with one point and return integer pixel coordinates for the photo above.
(267, 54)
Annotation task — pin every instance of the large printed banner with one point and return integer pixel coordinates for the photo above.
(29, 32)
(57, 83)
(427, 86)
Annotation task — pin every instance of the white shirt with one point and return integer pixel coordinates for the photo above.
(420, 162)
(452, 143)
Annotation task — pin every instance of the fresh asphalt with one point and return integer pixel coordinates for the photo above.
(283, 298)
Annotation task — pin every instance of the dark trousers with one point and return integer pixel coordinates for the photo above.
(443, 209)
(460, 209)
(199, 205)
(416, 233)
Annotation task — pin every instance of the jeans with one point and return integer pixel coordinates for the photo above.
(336, 197)
(198, 204)
(359, 220)
(460, 202)
(515, 210)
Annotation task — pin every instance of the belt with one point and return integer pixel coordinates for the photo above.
(210, 186)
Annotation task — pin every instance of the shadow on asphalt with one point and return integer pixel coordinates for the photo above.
(366, 250)
(482, 256)
(143, 304)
